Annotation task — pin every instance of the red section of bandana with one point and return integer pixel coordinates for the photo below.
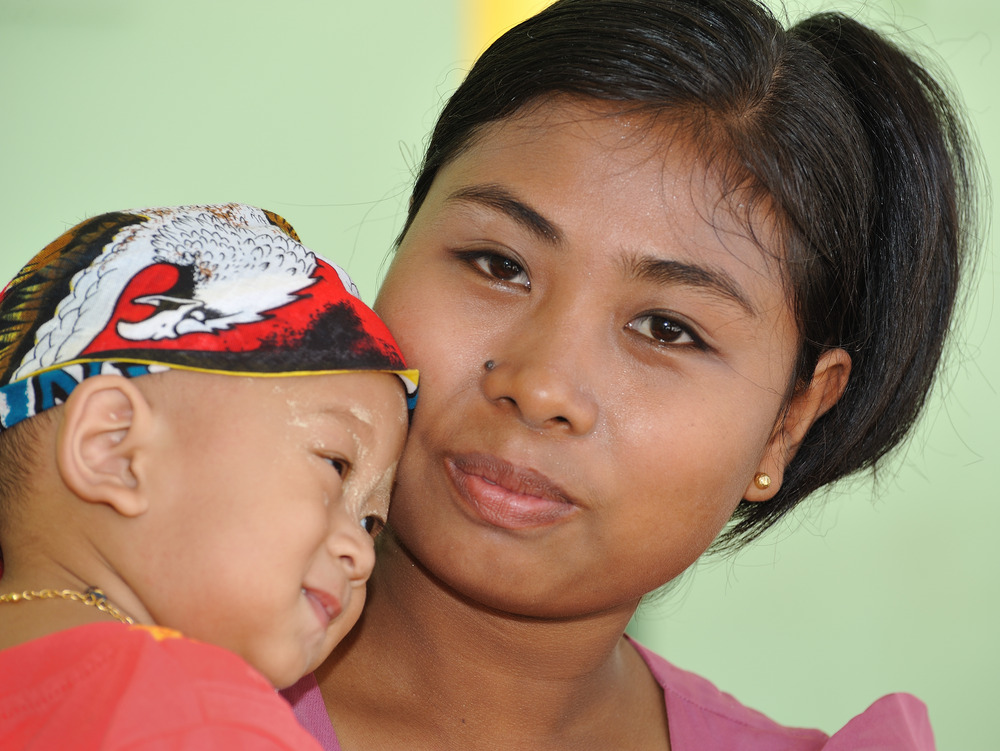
(281, 327)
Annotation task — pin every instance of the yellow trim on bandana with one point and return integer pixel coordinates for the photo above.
(411, 375)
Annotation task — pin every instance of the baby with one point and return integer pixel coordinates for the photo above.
(199, 425)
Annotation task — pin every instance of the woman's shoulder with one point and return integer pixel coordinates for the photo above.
(698, 712)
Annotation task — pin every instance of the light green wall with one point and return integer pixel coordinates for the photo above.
(313, 109)
(317, 110)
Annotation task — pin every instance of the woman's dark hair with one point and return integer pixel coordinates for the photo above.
(851, 145)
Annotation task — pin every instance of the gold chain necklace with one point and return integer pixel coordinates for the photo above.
(93, 597)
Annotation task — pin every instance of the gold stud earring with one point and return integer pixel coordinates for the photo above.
(762, 480)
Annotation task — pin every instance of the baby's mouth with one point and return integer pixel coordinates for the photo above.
(326, 606)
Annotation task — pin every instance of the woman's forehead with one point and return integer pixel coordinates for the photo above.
(571, 159)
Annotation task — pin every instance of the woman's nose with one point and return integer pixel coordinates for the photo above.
(352, 546)
(542, 378)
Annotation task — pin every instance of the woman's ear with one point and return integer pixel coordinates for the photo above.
(806, 406)
(106, 424)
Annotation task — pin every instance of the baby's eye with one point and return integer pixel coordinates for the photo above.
(663, 330)
(342, 466)
(500, 267)
(373, 524)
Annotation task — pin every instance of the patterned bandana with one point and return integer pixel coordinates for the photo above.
(219, 289)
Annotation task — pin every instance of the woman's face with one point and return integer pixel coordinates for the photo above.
(604, 358)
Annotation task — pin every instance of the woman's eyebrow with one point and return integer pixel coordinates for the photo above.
(715, 280)
(499, 198)
(657, 270)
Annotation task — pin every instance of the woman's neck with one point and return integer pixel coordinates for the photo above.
(427, 667)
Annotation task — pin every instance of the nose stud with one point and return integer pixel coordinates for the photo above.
(489, 365)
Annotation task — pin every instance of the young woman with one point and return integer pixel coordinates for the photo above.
(668, 269)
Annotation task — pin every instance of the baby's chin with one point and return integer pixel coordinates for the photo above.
(286, 670)
(283, 678)
(338, 629)
(312, 655)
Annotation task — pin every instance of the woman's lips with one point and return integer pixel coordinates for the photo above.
(507, 496)
(326, 606)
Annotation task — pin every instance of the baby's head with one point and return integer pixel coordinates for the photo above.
(233, 490)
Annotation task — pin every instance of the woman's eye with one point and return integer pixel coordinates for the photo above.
(662, 330)
(373, 524)
(502, 268)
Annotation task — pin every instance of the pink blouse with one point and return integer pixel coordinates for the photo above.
(700, 717)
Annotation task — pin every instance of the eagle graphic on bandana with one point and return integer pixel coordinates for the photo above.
(225, 288)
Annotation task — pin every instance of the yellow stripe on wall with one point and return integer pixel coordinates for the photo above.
(482, 21)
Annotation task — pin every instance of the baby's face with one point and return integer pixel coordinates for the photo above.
(269, 492)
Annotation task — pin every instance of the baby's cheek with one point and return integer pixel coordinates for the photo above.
(373, 498)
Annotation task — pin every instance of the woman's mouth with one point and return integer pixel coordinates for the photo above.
(507, 496)
(326, 606)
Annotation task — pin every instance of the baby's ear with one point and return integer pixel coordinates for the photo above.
(805, 407)
(106, 423)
